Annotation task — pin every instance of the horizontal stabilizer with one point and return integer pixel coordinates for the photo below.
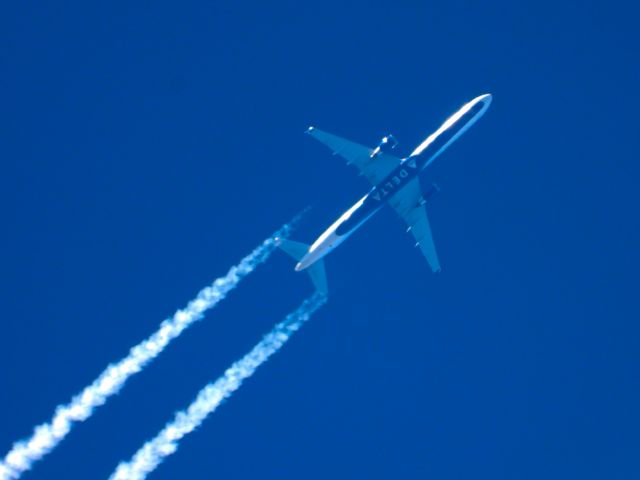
(319, 277)
(316, 271)
(296, 250)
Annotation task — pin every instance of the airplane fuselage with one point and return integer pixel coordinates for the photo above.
(408, 169)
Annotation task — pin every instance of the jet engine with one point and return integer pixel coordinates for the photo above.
(387, 144)
(428, 195)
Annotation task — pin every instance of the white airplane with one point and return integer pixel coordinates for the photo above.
(395, 181)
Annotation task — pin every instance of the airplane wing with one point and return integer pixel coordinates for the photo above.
(409, 205)
(374, 169)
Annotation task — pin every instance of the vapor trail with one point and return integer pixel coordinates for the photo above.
(211, 396)
(47, 436)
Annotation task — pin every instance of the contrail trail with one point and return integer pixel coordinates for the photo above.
(210, 397)
(46, 437)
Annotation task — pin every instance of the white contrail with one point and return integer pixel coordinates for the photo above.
(210, 397)
(47, 436)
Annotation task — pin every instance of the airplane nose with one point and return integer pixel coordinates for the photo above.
(486, 98)
(298, 267)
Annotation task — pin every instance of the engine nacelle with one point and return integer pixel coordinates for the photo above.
(428, 195)
(387, 144)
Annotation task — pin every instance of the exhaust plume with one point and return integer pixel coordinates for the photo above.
(152, 453)
(46, 437)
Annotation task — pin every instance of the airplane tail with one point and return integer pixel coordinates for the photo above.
(316, 271)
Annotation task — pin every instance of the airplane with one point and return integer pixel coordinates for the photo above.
(395, 181)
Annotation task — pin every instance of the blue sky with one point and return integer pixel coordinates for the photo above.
(146, 148)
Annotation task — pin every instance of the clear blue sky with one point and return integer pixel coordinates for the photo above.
(147, 147)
